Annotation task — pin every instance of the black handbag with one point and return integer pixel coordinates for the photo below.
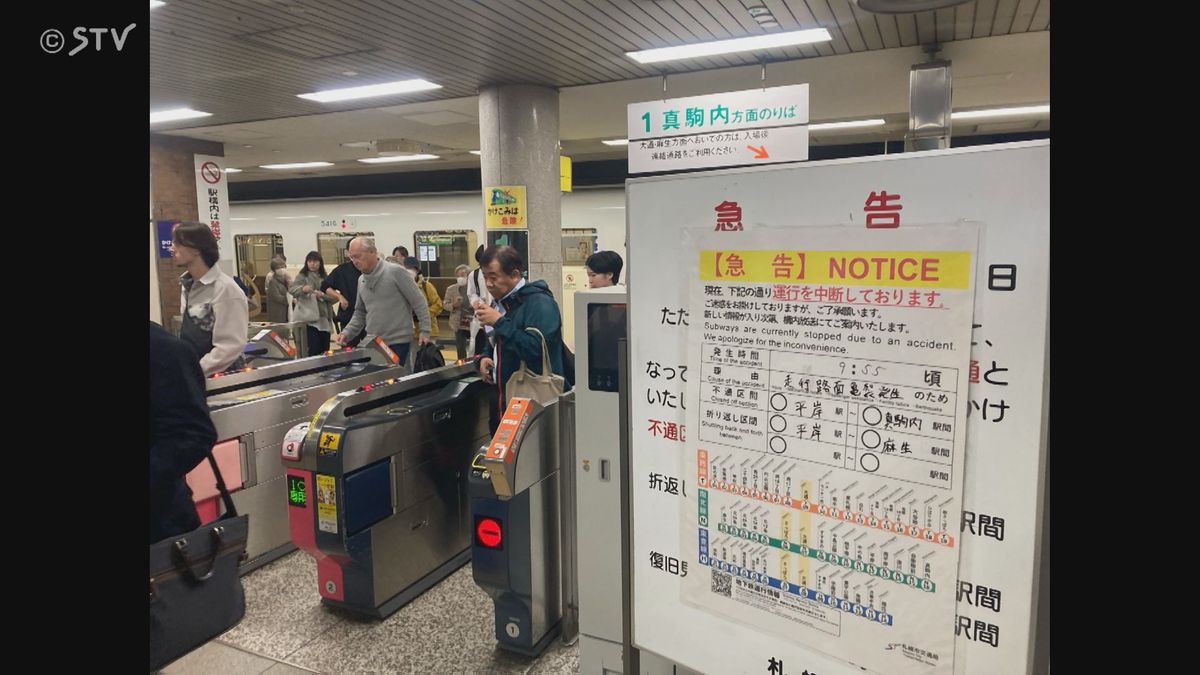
(428, 357)
(195, 591)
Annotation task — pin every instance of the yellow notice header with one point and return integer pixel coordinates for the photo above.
(906, 269)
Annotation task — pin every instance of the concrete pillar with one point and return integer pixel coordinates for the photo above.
(518, 145)
(173, 197)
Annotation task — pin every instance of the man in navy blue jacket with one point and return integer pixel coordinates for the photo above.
(181, 432)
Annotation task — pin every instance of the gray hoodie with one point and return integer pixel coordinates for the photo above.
(387, 299)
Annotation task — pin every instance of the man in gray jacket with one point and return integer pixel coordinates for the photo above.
(387, 299)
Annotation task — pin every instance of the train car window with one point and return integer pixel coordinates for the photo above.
(332, 246)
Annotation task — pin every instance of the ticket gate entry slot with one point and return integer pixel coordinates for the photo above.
(514, 487)
(291, 334)
(377, 486)
(252, 409)
(269, 345)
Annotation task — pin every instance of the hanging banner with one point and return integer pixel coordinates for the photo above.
(828, 398)
(212, 202)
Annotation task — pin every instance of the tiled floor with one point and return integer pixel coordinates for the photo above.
(448, 629)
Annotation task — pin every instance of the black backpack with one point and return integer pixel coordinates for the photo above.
(428, 357)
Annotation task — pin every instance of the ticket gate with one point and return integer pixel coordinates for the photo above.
(515, 505)
(252, 409)
(266, 345)
(291, 334)
(377, 486)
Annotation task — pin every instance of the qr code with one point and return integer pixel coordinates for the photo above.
(722, 584)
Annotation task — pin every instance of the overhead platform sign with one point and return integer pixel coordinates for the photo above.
(756, 126)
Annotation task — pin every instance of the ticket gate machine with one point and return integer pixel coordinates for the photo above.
(377, 486)
(514, 489)
(252, 409)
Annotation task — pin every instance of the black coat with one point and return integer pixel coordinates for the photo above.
(181, 432)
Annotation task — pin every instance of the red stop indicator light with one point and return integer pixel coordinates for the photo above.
(488, 532)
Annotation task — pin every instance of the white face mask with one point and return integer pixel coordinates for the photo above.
(462, 281)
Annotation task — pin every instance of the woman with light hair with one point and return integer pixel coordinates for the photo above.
(461, 313)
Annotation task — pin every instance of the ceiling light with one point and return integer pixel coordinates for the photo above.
(156, 3)
(475, 152)
(385, 89)
(397, 158)
(846, 125)
(295, 165)
(176, 114)
(617, 141)
(1001, 112)
(745, 44)
(232, 170)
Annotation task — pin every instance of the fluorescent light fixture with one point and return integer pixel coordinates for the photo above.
(475, 152)
(440, 213)
(296, 165)
(397, 158)
(156, 3)
(853, 124)
(232, 170)
(1001, 112)
(608, 208)
(385, 89)
(176, 114)
(756, 42)
(617, 141)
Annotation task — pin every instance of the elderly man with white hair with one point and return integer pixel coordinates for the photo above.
(387, 299)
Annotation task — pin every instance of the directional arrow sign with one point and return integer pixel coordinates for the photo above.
(731, 148)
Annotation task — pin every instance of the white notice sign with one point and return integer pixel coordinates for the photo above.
(997, 628)
(829, 403)
(756, 126)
